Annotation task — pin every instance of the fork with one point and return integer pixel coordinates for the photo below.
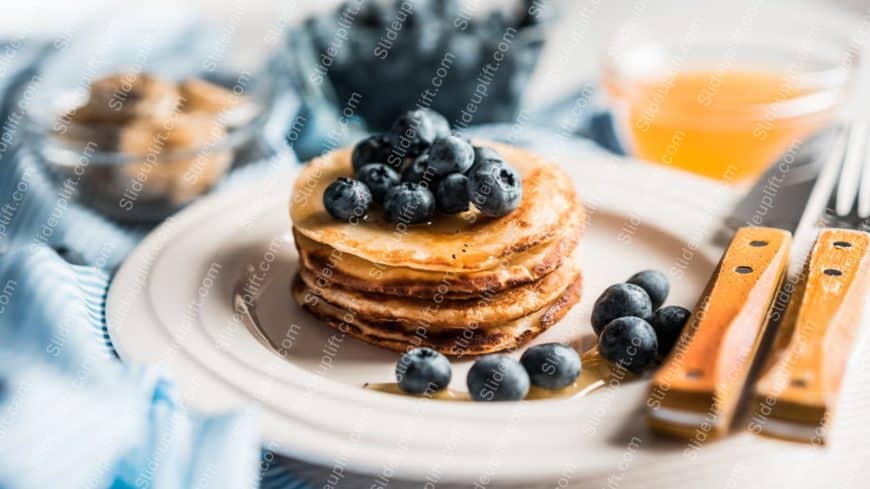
(853, 187)
(843, 186)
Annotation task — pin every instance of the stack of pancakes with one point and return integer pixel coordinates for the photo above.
(465, 284)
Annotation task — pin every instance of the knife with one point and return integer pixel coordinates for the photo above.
(695, 394)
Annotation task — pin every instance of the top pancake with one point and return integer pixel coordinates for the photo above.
(462, 242)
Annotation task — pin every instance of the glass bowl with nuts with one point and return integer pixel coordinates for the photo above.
(137, 147)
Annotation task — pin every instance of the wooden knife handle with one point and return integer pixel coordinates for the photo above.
(703, 378)
(801, 381)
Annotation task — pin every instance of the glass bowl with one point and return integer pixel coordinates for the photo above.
(144, 170)
(725, 93)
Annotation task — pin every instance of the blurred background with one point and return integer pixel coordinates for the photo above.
(573, 58)
(596, 19)
(49, 18)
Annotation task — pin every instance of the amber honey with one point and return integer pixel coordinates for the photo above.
(724, 124)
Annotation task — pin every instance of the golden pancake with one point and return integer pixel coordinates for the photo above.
(489, 309)
(459, 342)
(463, 242)
(355, 273)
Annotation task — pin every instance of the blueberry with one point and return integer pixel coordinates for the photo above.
(439, 122)
(346, 199)
(551, 365)
(419, 172)
(451, 195)
(423, 370)
(495, 188)
(373, 149)
(373, 15)
(409, 203)
(654, 283)
(497, 378)
(628, 341)
(450, 155)
(620, 300)
(668, 323)
(483, 154)
(413, 132)
(378, 177)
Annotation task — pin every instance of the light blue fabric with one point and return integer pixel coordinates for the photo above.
(71, 415)
(115, 426)
(66, 399)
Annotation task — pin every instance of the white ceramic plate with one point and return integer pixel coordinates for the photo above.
(172, 303)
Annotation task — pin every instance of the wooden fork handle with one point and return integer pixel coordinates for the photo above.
(801, 382)
(704, 376)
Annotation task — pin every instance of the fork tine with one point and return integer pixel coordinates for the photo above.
(847, 186)
(864, 189)
(820, 197)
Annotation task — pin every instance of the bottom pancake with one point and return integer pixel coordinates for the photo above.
(451, 342)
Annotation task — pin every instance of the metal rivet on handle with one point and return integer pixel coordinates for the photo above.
(833, 272)
(743, 269)
(758, 243)
(694, 373)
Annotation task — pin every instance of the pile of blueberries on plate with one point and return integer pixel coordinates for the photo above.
(633, 329)
(494, 377)
(395, 48)
(418, 168)
(633, 332)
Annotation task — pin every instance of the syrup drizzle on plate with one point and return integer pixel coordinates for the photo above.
(595, 374)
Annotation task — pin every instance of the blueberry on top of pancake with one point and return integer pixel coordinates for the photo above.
(420, 146)
(373, 149)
